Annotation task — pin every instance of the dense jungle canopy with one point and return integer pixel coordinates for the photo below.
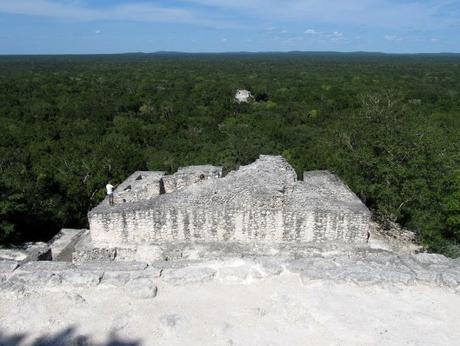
(388, 125)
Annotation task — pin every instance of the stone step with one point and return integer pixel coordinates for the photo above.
(111, 266)
(46, 266)
(63, 244)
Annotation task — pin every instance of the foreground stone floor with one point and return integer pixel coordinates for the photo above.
(363, 297)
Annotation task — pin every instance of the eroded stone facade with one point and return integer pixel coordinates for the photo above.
(139, 186)
(188, 176)
(263, 201)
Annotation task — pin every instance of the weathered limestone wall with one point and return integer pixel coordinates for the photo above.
(141, 185)
(259, 202)
(328, 184)
(178, 224)
(187, 176)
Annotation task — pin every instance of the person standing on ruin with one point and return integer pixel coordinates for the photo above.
(109, 188)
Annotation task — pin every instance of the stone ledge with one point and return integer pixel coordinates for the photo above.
(27, 252)
(364, 268)
(63, 244)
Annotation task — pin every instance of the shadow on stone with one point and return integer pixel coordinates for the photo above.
(67, 337)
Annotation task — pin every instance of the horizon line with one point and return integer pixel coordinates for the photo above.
(233, 52)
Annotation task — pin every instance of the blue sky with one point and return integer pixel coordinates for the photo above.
(116, 26)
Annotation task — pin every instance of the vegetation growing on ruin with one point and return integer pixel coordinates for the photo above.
(388, 125)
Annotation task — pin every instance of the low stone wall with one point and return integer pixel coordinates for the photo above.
(196, 224)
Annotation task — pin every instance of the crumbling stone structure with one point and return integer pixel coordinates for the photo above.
(243, 96)
(260, 202)
(188, 176)
(138, 186)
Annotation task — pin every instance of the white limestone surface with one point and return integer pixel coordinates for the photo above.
(277, 310)
(262, 201)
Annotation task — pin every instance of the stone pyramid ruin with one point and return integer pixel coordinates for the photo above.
(260, 202)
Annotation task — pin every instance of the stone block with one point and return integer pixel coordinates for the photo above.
(188, 275)
(40, 274)
(63, 244)
(111, 266)
(27, 252)
(120, 278)
(94, 254)
(187, 176)
(141, 288)
(149, 253)
(46, 266)
(38, 252)
(36, 279)
(127, 254)
(117, 278)
(13, 255)
(75, 278)
(139, 186)
(116, 273)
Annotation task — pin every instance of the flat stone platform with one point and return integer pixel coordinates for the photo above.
(326, 297)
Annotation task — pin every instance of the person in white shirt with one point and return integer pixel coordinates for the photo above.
(109, 188)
